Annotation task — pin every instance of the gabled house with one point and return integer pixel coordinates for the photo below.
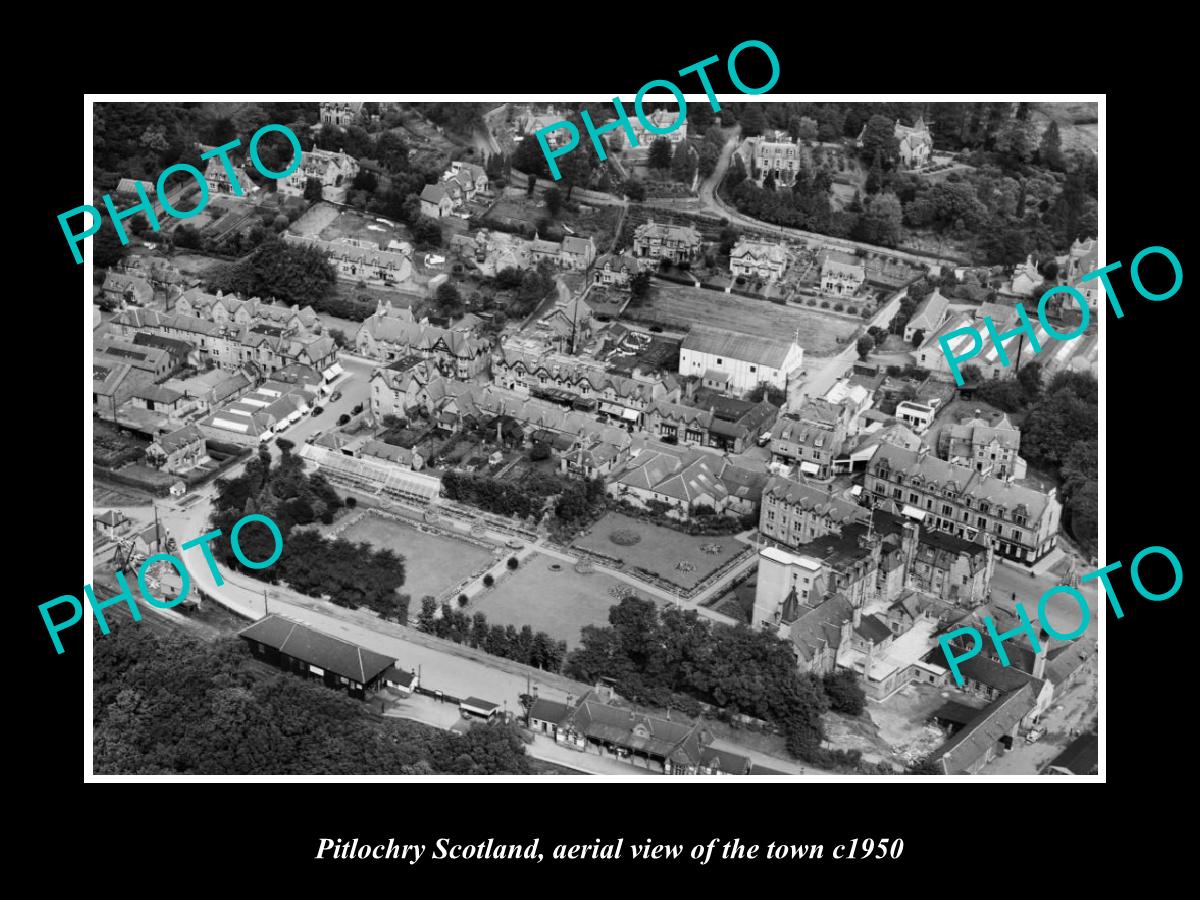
(436, 201)
(178, 451)
(928, 316)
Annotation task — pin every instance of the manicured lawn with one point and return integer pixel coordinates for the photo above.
(659, 549)
(432, 563)
(558, 603)
(681, 307)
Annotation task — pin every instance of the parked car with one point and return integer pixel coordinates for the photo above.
(1035, 735)
(317, 410)
(335, 396)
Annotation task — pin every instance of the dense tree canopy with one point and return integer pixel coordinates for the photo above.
(350, 575)
(654, 655)
(287, 272)
(176, 705)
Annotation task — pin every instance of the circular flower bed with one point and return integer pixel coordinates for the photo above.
(625, 537)
(584, 567)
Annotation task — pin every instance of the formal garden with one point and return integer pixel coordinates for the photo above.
(551, 595)
(681, 559)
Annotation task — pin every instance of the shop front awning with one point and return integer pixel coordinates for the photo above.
(809, 468)
(913, 513)
(333, 372)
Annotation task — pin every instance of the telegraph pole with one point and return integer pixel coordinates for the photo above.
(266, 609)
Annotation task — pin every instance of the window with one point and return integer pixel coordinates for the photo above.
(754, 368)
(897, 493)
(912, 498)
(982, 522)
(720, 362)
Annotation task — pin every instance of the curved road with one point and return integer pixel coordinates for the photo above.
(712, 203)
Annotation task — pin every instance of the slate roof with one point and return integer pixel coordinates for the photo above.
(997, 719)
(940, 473)
(328, 653)
(176, 440)
(930, 312)
(549, 711)
(811, 497)
(820, 626)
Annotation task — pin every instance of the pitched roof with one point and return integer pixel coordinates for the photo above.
(322, 650)
(433, 193)
(746, 347)
(975, 739)
(1081, 756)
(941, 473)
(839, 260)
(186, 435)
(756, 250)
(811, 497)
(930, 312)
(820, 626)
(549, 711)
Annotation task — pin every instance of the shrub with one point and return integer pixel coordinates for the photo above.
(625, 537)
(488, 580)
(812, 301)
(513, 562)
(824, 304)
(327, 517)
(343, 419)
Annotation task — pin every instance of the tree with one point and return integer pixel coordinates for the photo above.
(313, 190)
(752, 120)
(864, 346)
(553, 199)
(489, 580)
(339, 337)
(918, 339)
(659, 156)
(635, 190)
(880, 137)
(971, 374)
(1050, 148)
(107, 249)
(729, 237)
(428, 616)
(1030, 379)
(513, 563)
(875, 176)
(293, 273)
(682, 167)
(844, 692)
(929, 765)
(639, 285)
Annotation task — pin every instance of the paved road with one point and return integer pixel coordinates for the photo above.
(711, 202)
(820, 380)
(354, 387)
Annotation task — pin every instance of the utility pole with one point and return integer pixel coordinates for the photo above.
(266, 609)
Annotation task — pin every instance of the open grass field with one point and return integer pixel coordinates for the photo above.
(432, 563)
(659, 549)
(676, 306)
(558, 603)
(351, 224)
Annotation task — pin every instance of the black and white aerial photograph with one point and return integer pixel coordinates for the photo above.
(487, 438)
